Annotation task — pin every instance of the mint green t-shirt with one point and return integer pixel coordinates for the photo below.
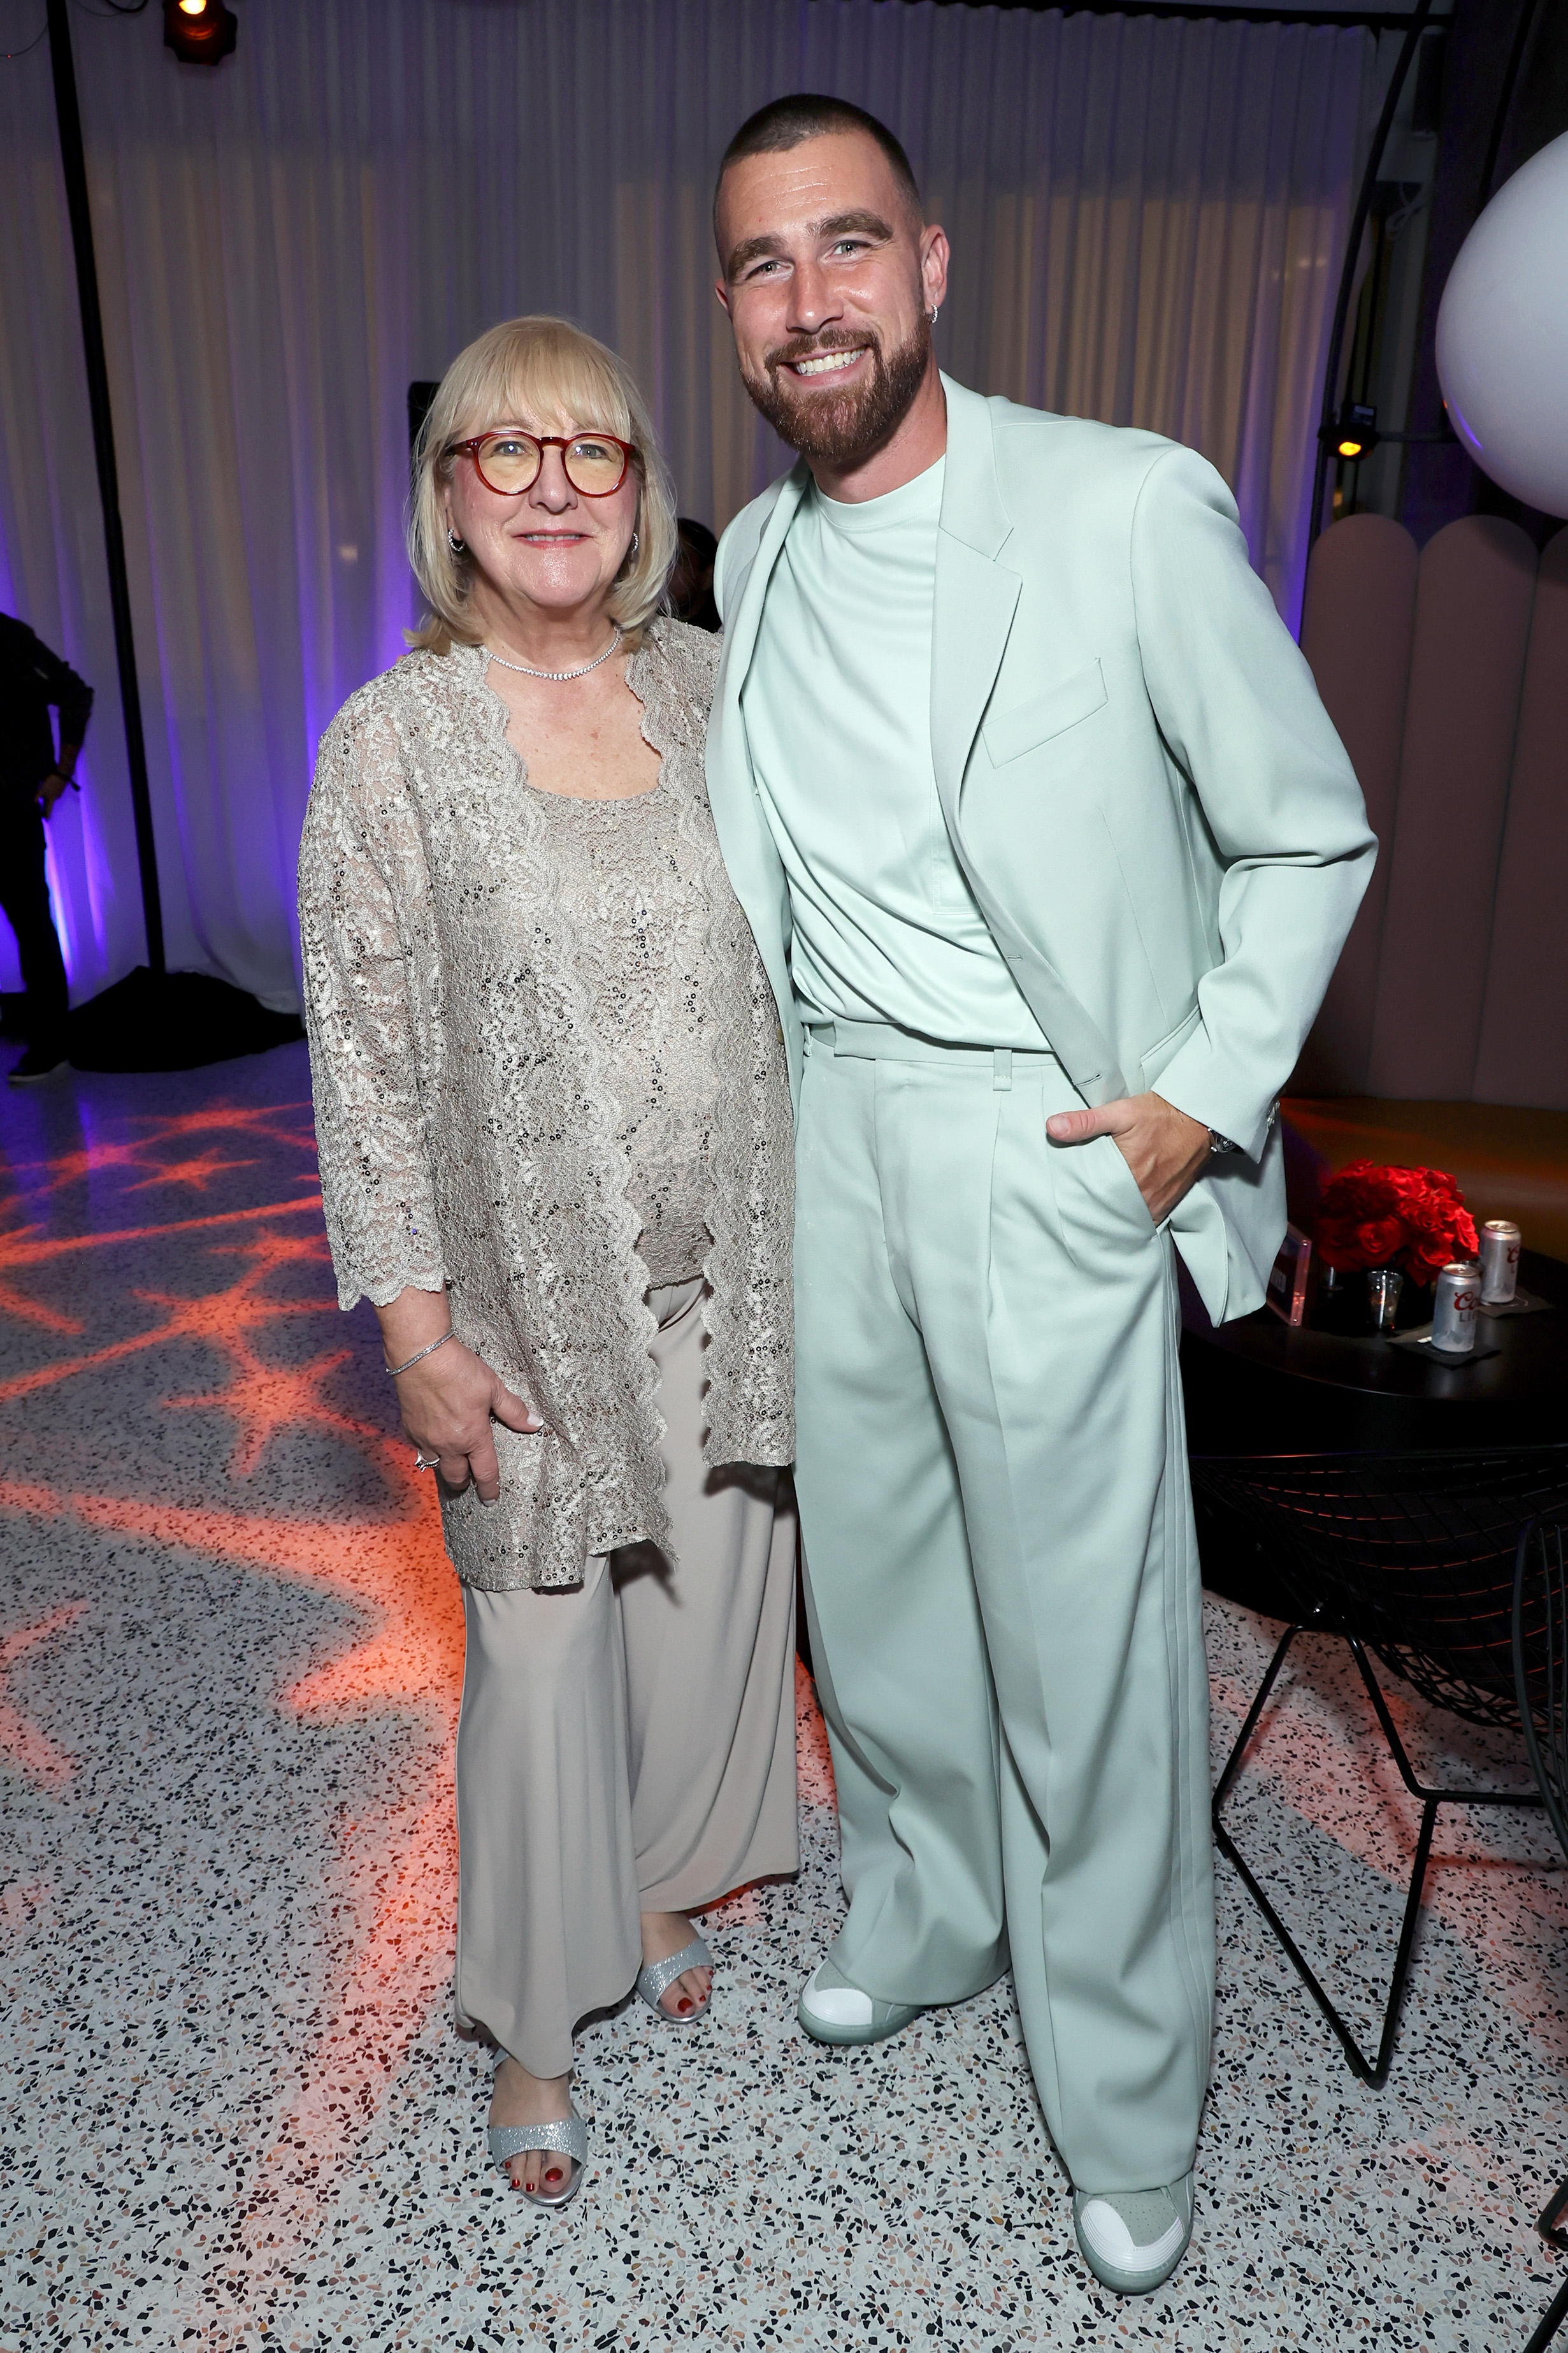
(837, 714)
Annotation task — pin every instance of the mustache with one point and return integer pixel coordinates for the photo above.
(811, 347)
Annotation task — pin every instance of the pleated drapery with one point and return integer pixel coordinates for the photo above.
(1147, 217)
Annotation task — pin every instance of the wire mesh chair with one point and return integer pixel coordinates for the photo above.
(1408, 1558)
(1540, 1689)
(1541, 1661)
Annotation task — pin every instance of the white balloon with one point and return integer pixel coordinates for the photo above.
(1502, 334)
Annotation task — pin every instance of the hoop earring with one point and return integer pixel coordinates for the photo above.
(934, 309)
(633, 548)
(458, 546)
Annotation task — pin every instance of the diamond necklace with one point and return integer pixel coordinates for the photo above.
(561, 675)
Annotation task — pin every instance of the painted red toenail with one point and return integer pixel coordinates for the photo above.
(554, 2174)
(684, 2003)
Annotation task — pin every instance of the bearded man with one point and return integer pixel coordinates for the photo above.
(1049, 848)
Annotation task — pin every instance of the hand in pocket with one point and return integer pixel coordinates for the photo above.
(1165, 1151)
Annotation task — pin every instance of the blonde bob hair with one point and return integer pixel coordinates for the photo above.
(541, 372)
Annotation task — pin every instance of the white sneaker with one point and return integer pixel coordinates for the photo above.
(831, 2010)
(1133, 2239)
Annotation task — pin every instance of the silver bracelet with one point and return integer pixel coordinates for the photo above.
(429, 1350)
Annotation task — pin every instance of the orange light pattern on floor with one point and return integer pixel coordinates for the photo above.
(393, 1870)
(392, 1567)
(222, 1318)
(25, 1746)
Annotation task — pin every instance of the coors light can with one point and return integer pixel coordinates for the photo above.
(1459, 1296)
(1499, 1261)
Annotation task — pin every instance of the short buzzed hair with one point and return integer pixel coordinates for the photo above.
(786, 122)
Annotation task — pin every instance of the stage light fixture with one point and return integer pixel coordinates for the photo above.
(199, 32)
(1356, 434)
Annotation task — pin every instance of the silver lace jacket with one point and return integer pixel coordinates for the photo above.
(466, 1127)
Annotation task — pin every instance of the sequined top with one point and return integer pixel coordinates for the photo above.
(637, 886)
(469, 1122)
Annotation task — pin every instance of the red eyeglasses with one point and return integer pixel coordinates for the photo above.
(508, 461)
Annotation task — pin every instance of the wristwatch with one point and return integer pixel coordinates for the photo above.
(1218, 1143)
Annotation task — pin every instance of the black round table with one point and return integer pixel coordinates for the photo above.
(1258, 1386)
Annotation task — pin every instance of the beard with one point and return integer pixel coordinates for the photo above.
(839, 427)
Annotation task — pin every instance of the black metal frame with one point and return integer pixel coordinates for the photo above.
(1544, 1695)
(1420, 21)
(1372, 2072)
(1556, 2312)
(73, 164)
(1352, 20)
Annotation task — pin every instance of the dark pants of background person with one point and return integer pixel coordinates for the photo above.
(25, 896)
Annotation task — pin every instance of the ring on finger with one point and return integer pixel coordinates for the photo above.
(423, 1462)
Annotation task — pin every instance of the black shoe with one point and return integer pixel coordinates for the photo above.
(38, 1062)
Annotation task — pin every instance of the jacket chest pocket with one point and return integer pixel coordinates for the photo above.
(1025, 726)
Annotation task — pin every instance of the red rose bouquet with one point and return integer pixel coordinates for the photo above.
(1414, 1218)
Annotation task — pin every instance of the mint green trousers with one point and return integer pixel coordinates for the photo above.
(1001, 1580)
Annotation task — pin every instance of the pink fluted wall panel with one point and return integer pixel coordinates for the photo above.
(1474, 595)
(1524, 1052)
(1356, 632)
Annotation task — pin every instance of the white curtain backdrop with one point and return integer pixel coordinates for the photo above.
(1147, 217)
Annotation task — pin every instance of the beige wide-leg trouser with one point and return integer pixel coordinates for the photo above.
(626, 1745)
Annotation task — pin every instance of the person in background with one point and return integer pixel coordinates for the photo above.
(692, 582)
(553, 1124)
(33, 776)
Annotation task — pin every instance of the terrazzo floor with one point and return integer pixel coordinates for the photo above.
(236, 2113)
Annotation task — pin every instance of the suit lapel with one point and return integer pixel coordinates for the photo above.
(975, 596)
(743, 619)
(755, 870)
(976, 601)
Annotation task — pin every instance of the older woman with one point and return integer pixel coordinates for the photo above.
(554, 1135)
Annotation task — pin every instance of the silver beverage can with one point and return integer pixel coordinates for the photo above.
(1499, 1261)
(1459, 1294)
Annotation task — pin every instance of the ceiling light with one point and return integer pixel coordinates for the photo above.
(199, 32)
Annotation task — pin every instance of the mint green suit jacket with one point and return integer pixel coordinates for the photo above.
(1157, 819)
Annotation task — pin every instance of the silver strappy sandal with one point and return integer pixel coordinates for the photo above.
(569, 2135)
(660, 1975)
